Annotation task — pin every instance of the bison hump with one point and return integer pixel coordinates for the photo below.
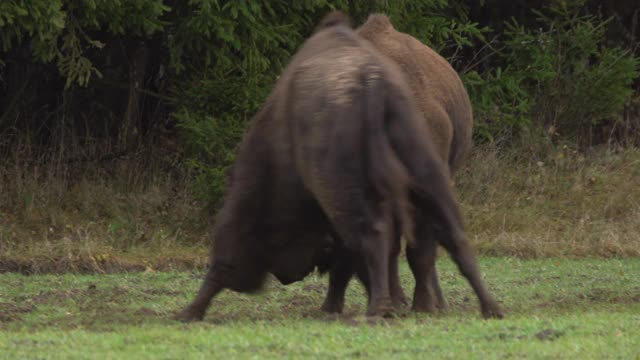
(377, 23)
(334, 18)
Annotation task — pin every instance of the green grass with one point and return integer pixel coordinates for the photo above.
(556, 308)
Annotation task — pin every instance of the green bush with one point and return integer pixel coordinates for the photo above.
(217, 103)
(244, 46)
(211, 145)
(501, 104)
(214, 62)
(563, 76)
(442, 25)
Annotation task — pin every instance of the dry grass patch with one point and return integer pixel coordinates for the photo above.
(134, 214)
(126, 214)
(566, 204)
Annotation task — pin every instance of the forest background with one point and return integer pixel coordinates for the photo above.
(118, 120)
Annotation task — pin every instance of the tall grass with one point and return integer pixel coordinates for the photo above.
(95, 215)
(137, 212)
(558, 203)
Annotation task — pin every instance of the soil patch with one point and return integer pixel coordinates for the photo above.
(42, 265)
(12, 312)
(601, 296)
(549, 335)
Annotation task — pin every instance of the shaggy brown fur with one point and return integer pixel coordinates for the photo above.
(436, 86)
(445, 106)
(443, 101)
(337, 149)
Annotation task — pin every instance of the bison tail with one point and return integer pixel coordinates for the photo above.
(430, 190)
(389, 176)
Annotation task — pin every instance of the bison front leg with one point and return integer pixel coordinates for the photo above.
(427, 295)
(196, 310)
(369, 241)
(375, 255)
(395, 288)
(339, 277)
(435, 285)
(342, 271)
(421, 260)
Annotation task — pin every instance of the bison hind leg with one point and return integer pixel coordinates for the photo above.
(198, 307)
(374, 250)
(458, 247)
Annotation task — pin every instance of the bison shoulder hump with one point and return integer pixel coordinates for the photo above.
(377, 23)
(334, 18)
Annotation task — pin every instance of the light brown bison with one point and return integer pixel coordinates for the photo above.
(338, 148)
(445, 106)
(438, 90)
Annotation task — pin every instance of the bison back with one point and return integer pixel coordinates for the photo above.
(438, 90)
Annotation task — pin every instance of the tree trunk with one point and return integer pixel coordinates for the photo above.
(138, 57)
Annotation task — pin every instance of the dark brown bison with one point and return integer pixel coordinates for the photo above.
(445, 106)
(338, 149)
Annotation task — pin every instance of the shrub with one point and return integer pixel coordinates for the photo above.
(562, 76)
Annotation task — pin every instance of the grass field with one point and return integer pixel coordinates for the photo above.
(558, 235)
(556, 308)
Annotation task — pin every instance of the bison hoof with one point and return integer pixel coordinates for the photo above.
(441, 305)
(423, 301)
(331, 308)
(189, 315)
(400, 302)
(382, 313)
(423, 308)
(423, 305)
(492, 311)
(383, 310)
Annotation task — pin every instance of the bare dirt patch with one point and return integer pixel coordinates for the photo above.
(315, 288)
(594, 296)
(299, 302)
(161, 292)
(12, 312)
(45, 265)
(145, 311)
(549, 335)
